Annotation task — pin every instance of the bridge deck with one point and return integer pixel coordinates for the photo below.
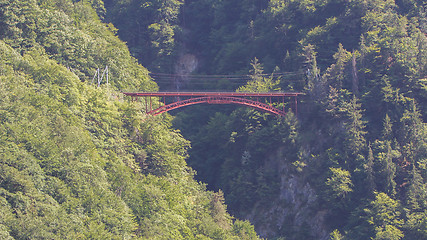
(200, 94)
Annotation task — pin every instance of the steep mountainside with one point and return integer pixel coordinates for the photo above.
(356, 153)
(77, 161)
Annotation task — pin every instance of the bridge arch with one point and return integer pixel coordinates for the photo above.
(218, 100)
(254, 100)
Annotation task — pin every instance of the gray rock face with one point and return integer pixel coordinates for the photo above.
(295, 212)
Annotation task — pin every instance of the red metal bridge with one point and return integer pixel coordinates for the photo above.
(173, 100)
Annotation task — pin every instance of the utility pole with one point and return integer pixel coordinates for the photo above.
(97, 73)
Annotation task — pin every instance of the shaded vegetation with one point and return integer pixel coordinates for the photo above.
(360, 136)
(78, 161)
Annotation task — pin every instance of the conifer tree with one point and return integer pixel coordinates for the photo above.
(370, 178)
(414, 133)
(336, 235)
(387, 133)
(341, 57)
(390, 171)
(332, 102)
(384, 217)
(417, 192)
(339, 183)
(258, 81)
(315, 83)
(355, 127)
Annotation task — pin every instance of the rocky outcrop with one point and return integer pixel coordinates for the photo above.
(294, 212)
(185, 65)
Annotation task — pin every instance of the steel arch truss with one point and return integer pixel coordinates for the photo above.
(217, 100)
(182, 99)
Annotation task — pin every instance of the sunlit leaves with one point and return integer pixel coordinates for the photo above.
(336, 235)
(259, 82)
(77, 161)
(384, 215)
(339, 183)
(68, 170)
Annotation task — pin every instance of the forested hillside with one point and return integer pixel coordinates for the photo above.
(353, 163)
(77, 160)
(80, 161)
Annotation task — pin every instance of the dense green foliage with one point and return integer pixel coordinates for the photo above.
(78, 161)
(360, 137)
(150, 28)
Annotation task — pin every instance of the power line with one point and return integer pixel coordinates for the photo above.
(232, 82)
(164, 77)
(224, 76)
